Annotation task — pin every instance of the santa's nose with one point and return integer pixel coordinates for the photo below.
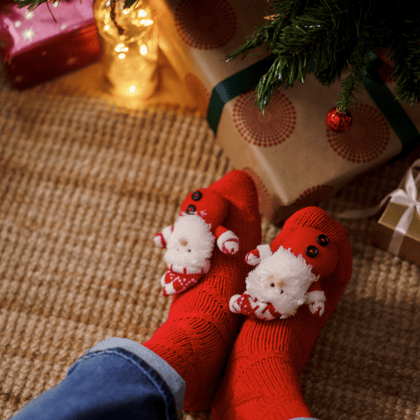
(276, 282)
(183, 242)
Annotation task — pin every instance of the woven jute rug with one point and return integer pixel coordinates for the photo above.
(83, 189)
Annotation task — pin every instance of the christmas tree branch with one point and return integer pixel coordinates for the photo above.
(405, 51)
(331, 34)
(305, 39)
(265, 36)
(32, 4)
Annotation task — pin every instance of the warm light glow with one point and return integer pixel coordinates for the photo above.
(146, 22)
(143, 50)
(121, 48)
(131, 58)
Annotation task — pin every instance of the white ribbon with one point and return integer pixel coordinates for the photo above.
(407, 197)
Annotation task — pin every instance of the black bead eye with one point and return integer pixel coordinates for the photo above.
(196, 195)
(271, 284)
(311, 251)
(282, 292)
(190, 209)
(323, 240)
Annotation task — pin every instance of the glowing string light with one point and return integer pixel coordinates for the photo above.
(143, 50)
(130, 55)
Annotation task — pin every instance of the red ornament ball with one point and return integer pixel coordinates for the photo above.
(337, 121)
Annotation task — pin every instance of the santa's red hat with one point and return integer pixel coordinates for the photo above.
(208, 204)
(311, 231)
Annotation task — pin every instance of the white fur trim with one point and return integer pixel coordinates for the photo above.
(159, 241)
(251, 259)
(189, 270)
(162, 280)
(231, 246)
(265, 251)
(315, 307)
(315, 296)
(166, 232)
(169, 288)
(233, 304)
(224, 237)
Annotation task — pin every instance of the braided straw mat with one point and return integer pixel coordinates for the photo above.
(83, 189)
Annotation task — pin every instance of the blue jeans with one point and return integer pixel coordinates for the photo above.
(118, 378)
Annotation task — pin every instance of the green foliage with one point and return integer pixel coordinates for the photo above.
(31, 4)
(336, 37)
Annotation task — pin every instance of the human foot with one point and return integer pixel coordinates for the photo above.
(200, 329)
(261, 379)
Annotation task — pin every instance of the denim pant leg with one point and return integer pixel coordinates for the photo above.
(116, 379)
(303, 418)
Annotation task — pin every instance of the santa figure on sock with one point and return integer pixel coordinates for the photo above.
(190, 241)
(285, 279)
(262, 375)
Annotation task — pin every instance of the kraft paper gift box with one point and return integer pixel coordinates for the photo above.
(398, 229)
(36, 48)
(293, 157)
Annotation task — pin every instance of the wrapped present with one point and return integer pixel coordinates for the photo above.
(398, 229)
(293, 157)
(47, 42)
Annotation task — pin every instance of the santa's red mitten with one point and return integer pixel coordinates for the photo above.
(247, 305)
(161, 238)
(255, 256)
(200, 329)
(261, 379)
(189, 243)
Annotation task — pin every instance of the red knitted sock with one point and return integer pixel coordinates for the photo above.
(200, 329)
(261, 380)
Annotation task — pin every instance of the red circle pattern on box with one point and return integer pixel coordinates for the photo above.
(271, 129)
(366, 139)
(313, 195)
(205, 25)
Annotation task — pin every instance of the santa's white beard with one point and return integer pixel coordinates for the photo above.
(283, 267)
(190, 245)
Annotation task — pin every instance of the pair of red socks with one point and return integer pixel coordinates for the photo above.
(252, 373)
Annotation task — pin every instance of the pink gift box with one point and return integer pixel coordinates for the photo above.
(36, 48)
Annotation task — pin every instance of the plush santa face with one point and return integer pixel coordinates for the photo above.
(190, 245)
(282, 280)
